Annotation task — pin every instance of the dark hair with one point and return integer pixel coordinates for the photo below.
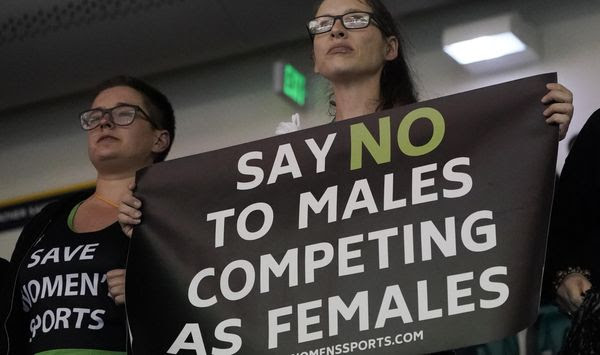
(161, 112)
(396, 83)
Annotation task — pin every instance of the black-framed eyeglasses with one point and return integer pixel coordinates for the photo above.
(350, 21)
(120, 115)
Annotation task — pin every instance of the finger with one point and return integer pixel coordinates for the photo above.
(563, 108)
(557, 86)
(563, 128)
(118, 297)
(557, 93)
(117, 290)
(131, 186)
(563, 122)
(130, 201)
(126, 220)
(115, 273)
(129, 211)
(116, 281)
(127, 229)
(119, 300)
(558, 118)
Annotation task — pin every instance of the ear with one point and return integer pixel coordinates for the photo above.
(161, 141)
(391, 48)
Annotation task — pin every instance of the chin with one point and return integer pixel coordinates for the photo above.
(338, 74)
(341, 68)
(103, 156)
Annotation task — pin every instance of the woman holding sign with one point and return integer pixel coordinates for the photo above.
(358, 48)
(67, 267)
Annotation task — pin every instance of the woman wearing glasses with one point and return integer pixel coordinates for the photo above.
(68, 263)
(357, 47)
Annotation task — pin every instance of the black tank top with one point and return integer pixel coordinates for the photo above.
(64, 293)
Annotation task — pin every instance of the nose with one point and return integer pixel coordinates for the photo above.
(106, 121)
(338, 30)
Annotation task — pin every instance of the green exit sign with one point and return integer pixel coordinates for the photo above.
(290, 82)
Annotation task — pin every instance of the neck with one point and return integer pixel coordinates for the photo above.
(113, 188)
(356, 98)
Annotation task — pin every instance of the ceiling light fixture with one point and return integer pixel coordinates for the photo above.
(492, 44)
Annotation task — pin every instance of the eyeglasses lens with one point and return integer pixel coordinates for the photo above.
(321, 24)
(123, 115)
(90, 119)
(120, 115)
(356, 20)
(351, 20)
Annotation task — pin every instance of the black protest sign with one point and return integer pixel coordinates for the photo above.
(412, 230)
